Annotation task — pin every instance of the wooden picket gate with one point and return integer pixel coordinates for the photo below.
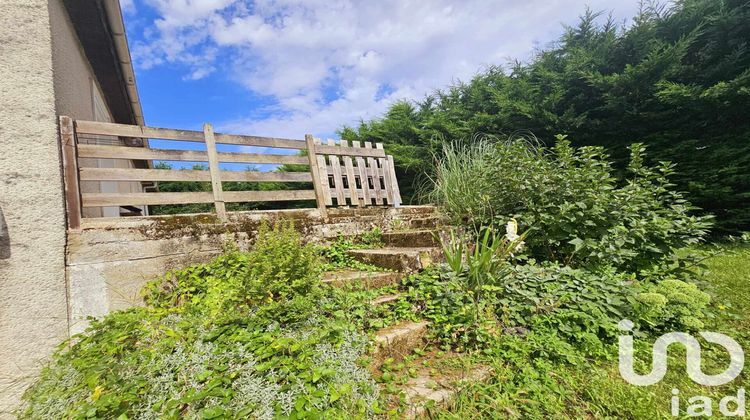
(366, 178)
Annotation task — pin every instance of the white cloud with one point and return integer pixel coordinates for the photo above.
(328, 62)
(127, 7)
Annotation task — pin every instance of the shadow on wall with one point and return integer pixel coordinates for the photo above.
(4, 238)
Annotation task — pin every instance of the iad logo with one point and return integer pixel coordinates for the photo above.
(700, 405)
(659, 357)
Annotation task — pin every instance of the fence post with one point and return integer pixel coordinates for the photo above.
(70, 172)
(213, 168)
(315, 172)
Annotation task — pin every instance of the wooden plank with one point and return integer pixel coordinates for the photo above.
(70, 173)
(323, 170)
(111, 129)
(338, 182)
(374, 174)
(348, 194)
(394, 182)
(362, 170)
(349, 151)
(121, 152)
(280, 195)
(149, 199)
(350, 178)
(386, 176)
(215, 171)
(261, 141)
(262, 158)
(125, 130)
(140, 153)
(317, 181)
(129, 174)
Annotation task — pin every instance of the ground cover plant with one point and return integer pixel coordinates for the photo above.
(245, 335)
(540, 375)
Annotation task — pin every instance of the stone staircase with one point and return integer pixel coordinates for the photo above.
(407, 250)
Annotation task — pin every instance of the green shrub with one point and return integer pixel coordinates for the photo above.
(278, 269)
(574, 206)
(671, 305)
(580, 306)
(457, 320)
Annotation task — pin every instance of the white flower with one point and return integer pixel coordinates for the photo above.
(511, 230)
(511, 234)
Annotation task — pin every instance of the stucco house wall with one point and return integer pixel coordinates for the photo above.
(78, 95)
(33, 308)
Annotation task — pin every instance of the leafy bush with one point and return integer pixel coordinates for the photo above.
(578, 213)
(672, 305)
(580, 306)
(278, 269)
(457, 320)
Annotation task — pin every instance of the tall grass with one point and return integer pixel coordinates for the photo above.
(462, 180)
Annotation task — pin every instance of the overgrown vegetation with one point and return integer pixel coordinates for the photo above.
(245, 335)
(569, 198)
(676, 79)
(550, 371)
(336, 256)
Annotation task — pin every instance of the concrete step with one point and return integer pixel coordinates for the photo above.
(425, 388)
(411, 238)
(420, 210)
(431, 222)
(361, 279)
(398, 341)
(438, 377)
(399, 259)
(386, 299)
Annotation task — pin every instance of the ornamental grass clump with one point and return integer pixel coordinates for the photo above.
(462, 180)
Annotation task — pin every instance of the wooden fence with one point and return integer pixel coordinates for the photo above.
(338, 172)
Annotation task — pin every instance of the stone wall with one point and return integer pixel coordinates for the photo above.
(109, 260)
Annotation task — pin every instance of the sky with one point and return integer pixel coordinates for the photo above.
(286, 68)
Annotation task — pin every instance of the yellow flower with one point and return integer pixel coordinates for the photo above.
(97, 393)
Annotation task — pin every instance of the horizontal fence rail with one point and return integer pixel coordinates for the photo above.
(340, 174)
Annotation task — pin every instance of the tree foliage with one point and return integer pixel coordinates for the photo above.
(676, 79)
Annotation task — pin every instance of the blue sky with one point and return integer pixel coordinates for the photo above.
(286, 68)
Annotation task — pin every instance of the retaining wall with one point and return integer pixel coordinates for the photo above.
(109, 260)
